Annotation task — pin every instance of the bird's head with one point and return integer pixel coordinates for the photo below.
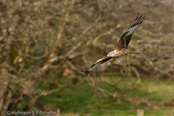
(111, 54)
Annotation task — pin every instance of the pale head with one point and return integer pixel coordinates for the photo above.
(111, 54)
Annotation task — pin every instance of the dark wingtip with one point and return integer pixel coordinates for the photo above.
(84, 73)
(138, 20)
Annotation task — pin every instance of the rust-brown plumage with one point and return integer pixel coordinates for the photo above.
(122, 46)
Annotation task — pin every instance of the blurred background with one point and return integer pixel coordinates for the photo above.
(44, 44)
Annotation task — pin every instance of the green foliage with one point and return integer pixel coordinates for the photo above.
(84, 99)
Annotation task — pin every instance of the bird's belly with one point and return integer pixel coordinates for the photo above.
(120, 53)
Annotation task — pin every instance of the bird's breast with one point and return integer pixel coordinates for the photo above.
(121, 52)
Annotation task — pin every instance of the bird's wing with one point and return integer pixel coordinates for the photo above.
(98, 62)
(126, 37)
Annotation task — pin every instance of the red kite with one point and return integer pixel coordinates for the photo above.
(122, 46)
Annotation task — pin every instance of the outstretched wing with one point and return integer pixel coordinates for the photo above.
(126, 37)
(98, 62)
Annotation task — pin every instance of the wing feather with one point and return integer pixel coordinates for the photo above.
(97, 63)
(126, 37)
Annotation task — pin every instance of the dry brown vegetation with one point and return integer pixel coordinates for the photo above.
(67, 36)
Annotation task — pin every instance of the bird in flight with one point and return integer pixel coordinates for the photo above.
(122, 46)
